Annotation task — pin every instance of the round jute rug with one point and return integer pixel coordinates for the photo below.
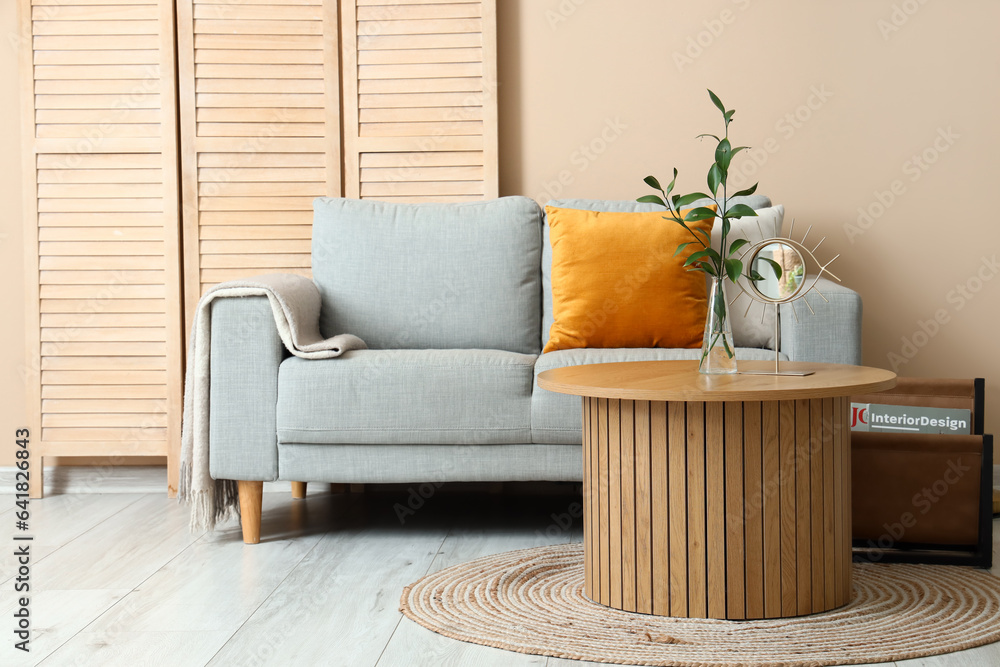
(532, 601)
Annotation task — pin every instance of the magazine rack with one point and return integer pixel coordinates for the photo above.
(924, 498)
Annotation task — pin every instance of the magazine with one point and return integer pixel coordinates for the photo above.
(909, 419)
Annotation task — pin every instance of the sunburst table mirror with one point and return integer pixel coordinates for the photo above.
(779, 271)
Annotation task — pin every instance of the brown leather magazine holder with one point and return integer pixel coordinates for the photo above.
(924, 498)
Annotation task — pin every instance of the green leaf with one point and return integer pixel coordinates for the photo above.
(708, 268)
(695, 259)
(681, 247)
(684, 200)
(696, 256)
(670, 187)
(714, 178)
(723, 154)
(706, 257)
(700, 213)
(740, 211)
(736, 245)
(749, 191)
(725, 227)
(720, 311)
(729, 115)
(652, 182)
(717, 102)
(651, 199)
(754, 276)
(708, 236)
(732, 154)
(707, 134)
(774, 266)
(734, 268)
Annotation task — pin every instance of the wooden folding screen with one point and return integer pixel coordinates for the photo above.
(420, 104)
(254, 128)
(260, 134)
(103, 364)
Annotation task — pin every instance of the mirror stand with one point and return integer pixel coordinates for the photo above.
(777, 352)
(759, 288)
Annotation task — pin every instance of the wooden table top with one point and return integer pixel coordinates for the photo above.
(681, 381)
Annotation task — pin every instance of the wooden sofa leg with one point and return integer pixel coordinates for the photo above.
(251, 497)
(299, 490)
(338, 488)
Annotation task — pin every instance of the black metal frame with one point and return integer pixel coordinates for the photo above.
(979, 407)
(979, 554)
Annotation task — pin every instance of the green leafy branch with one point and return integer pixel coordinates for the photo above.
(720, 265)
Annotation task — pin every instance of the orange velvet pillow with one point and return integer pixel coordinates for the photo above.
(616, 282)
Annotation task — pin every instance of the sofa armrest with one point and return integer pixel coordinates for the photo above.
(246, 352)
(832, 334)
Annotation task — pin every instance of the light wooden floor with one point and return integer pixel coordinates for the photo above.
(119, 580)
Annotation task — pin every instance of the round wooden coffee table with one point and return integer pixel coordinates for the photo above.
(716, 496)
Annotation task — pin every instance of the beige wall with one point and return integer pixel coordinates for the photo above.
(592, 99)
(612, 76)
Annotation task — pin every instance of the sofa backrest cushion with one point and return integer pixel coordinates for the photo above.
(430, 276)
(627, 206)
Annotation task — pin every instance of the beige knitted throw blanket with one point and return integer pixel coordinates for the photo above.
(295, 303)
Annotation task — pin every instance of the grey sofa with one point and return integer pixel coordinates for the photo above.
(451, 301)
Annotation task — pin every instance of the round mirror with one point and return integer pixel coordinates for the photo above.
(777, 271)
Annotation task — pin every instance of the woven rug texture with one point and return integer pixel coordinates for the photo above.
(532, 601)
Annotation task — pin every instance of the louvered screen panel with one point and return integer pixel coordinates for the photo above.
(104, 343)
(260, 127)
(420, 107)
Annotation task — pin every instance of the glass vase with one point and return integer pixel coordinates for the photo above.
(718, 353)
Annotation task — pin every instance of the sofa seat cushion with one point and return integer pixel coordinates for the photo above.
(556, 418)
(407, 397)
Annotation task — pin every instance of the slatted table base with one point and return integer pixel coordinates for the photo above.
(736, 510)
